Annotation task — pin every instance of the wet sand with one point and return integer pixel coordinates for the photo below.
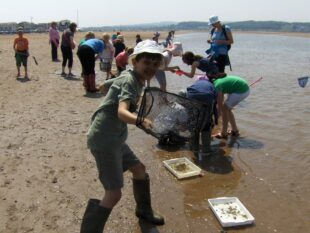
(48, 174)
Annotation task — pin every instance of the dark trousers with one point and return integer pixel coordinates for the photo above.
(54, 52)
(67, 55)
(221, 61)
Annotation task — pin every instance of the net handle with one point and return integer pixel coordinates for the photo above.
(141, 116)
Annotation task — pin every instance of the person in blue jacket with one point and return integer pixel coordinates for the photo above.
(87, 53)
(203, 91)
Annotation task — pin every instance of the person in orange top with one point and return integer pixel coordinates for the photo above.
(21, 47)
(121, 59)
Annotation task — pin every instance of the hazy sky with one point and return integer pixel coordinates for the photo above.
(123, 12)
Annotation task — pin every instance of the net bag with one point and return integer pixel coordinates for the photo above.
(176, 119)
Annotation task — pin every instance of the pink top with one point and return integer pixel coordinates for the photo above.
(122, 59)
(54, 36)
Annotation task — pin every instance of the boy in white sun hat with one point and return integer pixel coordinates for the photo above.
(107, 136)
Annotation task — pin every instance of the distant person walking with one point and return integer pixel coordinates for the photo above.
(138, 39)
(169, 40)
(220, 39)
(156, 37)
(119, 45)
(67, 45)
(54, 41)
(21, 48)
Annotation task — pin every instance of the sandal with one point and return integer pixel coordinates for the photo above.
(220, 136)
(234, 133)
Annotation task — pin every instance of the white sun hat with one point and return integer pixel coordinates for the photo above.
(146, 46)
(213, 19)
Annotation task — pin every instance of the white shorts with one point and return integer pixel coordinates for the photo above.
(235, 98)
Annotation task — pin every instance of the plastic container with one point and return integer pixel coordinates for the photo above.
(182, 167)
(230, 211)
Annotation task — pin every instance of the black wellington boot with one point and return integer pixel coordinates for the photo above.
(141, 191)
(95, 217)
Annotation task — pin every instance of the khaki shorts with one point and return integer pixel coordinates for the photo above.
(112, 165)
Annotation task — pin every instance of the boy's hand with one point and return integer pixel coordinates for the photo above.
(147, 124)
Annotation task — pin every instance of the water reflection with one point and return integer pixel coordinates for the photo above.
(218, 162)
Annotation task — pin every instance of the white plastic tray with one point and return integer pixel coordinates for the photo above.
(182, 167)
(230, 211)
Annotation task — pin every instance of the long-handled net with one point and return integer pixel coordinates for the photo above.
(175, 119)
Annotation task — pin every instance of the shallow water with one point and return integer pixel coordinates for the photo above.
(268, 166)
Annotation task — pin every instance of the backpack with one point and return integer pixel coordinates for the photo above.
(224, 32)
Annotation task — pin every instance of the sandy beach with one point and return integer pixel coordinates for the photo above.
(47, 174)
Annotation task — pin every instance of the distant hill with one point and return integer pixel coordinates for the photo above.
(275, 26)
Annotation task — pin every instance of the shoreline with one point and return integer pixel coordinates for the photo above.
(294, 34)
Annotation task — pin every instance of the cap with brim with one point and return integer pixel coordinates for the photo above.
(146, 46)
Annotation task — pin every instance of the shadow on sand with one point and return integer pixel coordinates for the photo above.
(23, 80)
(147, 227)
(94, 95)
(72, 78)
(217, 162)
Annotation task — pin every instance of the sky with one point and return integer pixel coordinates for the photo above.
(125, 12)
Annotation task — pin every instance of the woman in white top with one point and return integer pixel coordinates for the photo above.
(106, 57)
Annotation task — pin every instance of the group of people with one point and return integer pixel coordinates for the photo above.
(108, 132)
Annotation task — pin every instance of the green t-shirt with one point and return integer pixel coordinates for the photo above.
(231, 84)
(107, 131)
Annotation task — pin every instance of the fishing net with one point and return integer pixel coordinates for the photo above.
(176, 119)
(302, 81)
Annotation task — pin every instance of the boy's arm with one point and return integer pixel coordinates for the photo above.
(131, 118)
(124, 114)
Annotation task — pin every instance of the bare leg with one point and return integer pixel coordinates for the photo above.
(26, 73)
(18, 71)
(232, 120)
(163, 87)
(111, 197)
(138, 171)
(225, 118)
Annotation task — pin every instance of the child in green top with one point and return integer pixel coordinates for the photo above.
(107, 140)
(237, 89)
